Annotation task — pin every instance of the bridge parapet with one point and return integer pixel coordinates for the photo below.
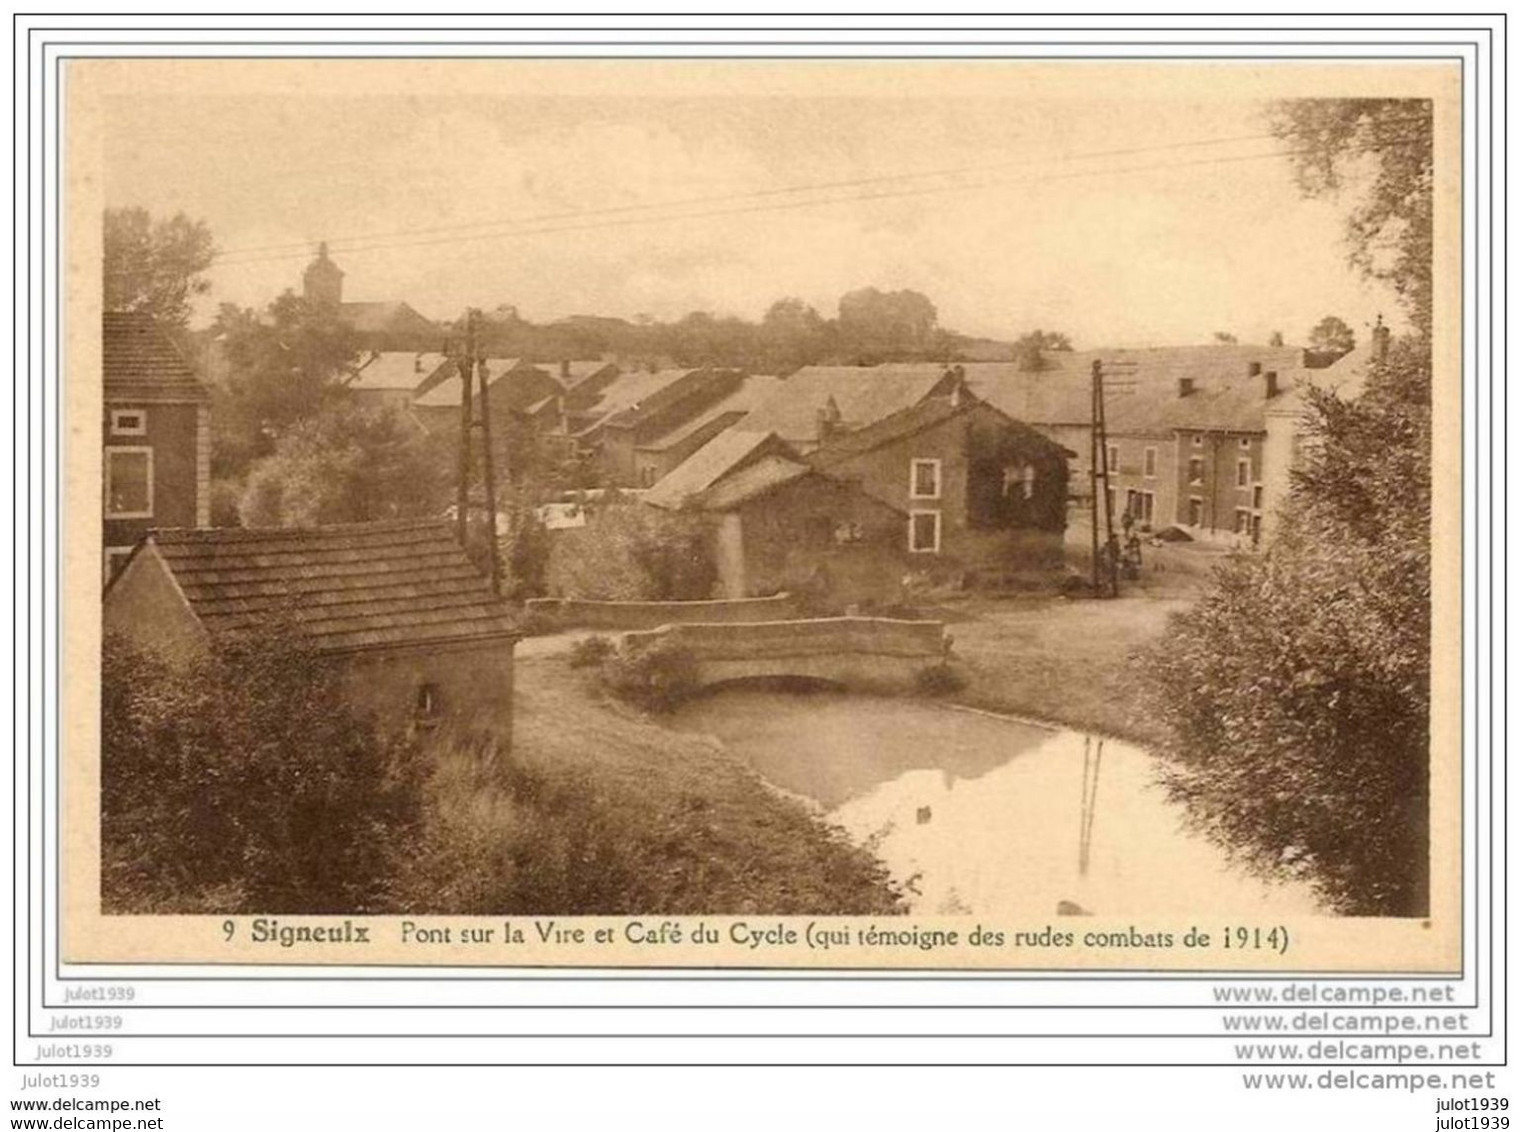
(817, 638)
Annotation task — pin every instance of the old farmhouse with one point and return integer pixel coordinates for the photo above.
(156, 428)
(417, 631)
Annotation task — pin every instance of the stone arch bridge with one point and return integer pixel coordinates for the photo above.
(860, 653)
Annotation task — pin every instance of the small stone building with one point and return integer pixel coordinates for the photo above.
(418, 632)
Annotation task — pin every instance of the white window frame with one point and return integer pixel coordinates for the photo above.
(112, 553)
(1198, 499)
(1149, 466)
(128, 450)
(1203, 472)
(119, 429)
(938, 525)
(1242, 520)
(1242, 473)
(913, 466)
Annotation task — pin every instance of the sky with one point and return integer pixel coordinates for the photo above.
(1119, 213)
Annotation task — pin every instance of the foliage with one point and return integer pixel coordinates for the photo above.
(1382, 149)
(155, 266)
(1029, 350)
(345, 465)
(1297, 691)
(1225, 337)
(658, 677)
(633, 552)
(590, 652)
(284, 366)
(1331, 338)
(243, 784)
(875, 324)
(939, 680)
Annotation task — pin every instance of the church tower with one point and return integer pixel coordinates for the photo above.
(322, 282)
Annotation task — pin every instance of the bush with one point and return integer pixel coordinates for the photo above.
(657, 677)
(939, 680)
(590, 652)
(634, 552)
(243, 784)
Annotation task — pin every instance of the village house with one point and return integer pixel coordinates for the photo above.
(415, 627)
(984, 495)
(815, 402)
(662, 451)
(638, 408)
(778, 525)
(156, 427)
(391, 379)
(383, 325)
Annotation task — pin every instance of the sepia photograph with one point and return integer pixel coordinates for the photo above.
(1005, 498)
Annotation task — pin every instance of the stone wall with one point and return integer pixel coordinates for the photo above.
(568, 613)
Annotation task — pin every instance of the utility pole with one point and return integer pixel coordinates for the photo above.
(471, 364)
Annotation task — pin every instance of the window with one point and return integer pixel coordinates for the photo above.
(116, 558)
(923, 532)
(924, 480)
(646, 477)
(1242, 521)
(1113, 457)
(129, 422)
(1242, 473)
(1245, 443)
(129, 483)
(1256, 497)
(1150, 463)
(1195, 512)
(1147, 508)
(1197, 441)
(1195, 470)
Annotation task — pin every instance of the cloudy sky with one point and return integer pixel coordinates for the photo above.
(1126, 210)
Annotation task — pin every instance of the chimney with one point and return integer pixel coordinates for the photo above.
(1184, 387)
(1271, 384)
(1380, 338)
(1253, 369)
(417, 364)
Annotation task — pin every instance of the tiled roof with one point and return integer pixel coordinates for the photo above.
(139, 360)
(753, 390)
(347, 586)
(863, 394)
(719, 457)
(628, 390)
(756, 479)
(395, 369)
(574, 373)
(445, 390)
(380, 317)
(1142, 390)
(909, 421)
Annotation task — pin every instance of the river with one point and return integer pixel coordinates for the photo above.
(986, 814)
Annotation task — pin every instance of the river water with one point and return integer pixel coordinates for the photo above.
(987, 814)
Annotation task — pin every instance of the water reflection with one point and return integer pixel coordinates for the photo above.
(988, 814)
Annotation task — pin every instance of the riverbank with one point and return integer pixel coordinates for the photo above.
(616, 814)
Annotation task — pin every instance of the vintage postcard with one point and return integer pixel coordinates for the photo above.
(882, 514)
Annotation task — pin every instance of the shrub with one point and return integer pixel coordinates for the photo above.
(656, 677)
(590, 652)
(243, 784)
(939, 680)
(634, 552)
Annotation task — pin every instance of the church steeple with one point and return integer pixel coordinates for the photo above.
(322, 283)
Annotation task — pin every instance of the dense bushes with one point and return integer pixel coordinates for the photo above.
(240, 784)
(1297, 691)
(631, 552)
(590, 652)
(656, 677)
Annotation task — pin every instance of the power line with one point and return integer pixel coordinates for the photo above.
(527, 228)
(364, 240)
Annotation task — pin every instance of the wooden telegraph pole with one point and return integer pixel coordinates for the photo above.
(471, 364)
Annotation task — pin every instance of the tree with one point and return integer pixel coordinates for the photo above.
(1331, 338)
(1029, 350)
(346, 465)
(244, 784)
(792, 335)
(1380, 152)
(155, 267)
(1298, 689)
(1275, 338)
(1225, 337)
(877, 324)
(282, 367)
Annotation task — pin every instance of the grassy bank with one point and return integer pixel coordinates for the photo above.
(598, 810)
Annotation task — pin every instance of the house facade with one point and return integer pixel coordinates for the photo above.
(415, 629)
(156, 431)
(983, 495)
